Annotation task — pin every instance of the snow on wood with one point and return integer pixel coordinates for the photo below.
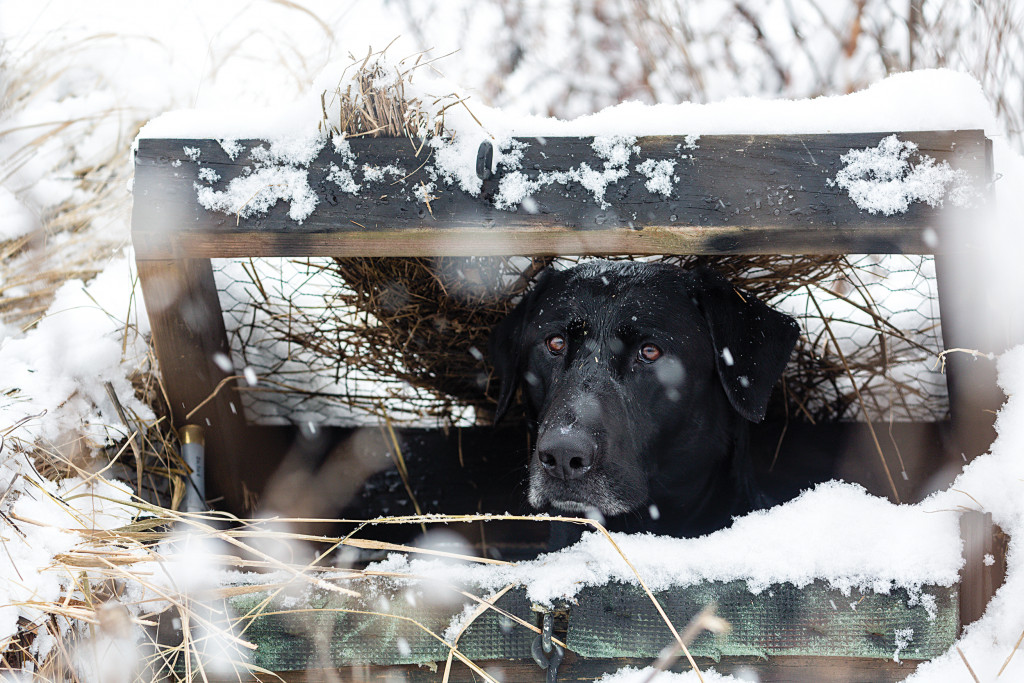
(836, 532)
(874, 184)
(883, 179)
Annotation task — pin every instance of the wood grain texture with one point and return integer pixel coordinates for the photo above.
(733, 194)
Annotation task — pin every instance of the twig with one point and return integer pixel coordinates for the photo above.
(131, 436)
(706, 620)
(368, 544)
(1014, 650)
(860, 399)
(403, 471)
(967, 664)
(216, 390)
(941, 359)
(483, 607)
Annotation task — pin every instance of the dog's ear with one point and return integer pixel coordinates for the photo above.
(752, 341)
(506, 347)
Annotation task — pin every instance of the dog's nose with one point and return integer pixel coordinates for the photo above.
(566, 453)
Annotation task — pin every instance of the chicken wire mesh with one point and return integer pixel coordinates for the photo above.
(349, 342)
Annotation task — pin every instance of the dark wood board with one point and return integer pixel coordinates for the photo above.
(735, 194)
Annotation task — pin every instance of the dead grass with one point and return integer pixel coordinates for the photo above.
(118, 586)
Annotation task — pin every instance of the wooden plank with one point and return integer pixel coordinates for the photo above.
(984, 564)
(971, 320)
(188, 331)
(620, 621)
(735, 194)
(322, 627)
(605, 622)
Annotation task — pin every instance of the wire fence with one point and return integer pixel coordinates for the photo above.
(869, 346)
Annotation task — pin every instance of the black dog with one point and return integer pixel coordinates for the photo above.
(640, 380)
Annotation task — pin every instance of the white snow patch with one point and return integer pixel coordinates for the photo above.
(256, 192)
(883, 179)
(53, 375)
(295, 150)
(616, 150)
(15, 218)
(659, 174)
(279, 175)
(903, 637)
(379, 174)
(424, 193)
(455, 162)
(209, 175)
(343, 178)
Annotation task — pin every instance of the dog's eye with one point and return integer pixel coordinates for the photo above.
(555, 344)
(649, 353)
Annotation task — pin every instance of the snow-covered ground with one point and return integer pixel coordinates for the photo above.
(81, 78)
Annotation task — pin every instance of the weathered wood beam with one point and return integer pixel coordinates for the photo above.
(733, 194)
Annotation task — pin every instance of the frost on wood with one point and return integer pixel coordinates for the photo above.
(884, 179)
(903, 636)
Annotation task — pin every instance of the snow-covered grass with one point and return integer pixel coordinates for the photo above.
(80, 79)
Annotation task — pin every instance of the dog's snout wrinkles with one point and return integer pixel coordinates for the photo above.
(566, 453)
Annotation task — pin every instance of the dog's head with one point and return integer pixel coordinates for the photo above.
(633, 373)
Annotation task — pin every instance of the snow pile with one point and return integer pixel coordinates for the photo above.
(52, 377)
(882, 179)
(936, 99)
(995, 484)
(836, 532)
